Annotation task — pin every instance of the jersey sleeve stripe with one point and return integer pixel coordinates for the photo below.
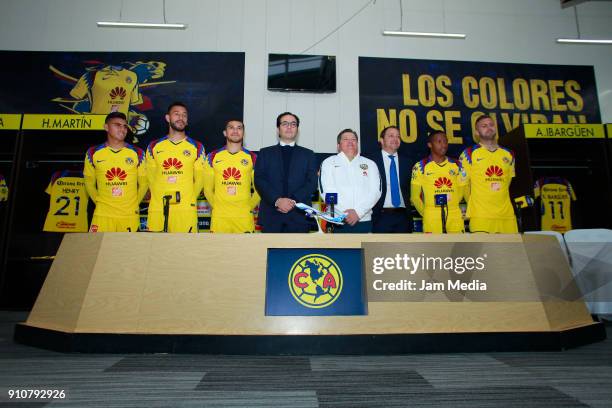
(211, 157)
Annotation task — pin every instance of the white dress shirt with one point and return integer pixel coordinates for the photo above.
(357, 183)
(387, 163)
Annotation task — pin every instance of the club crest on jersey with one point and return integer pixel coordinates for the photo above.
(315, 281)
(244, 162)
(186, 153)
(506, 160)
(129, 161)
(452, 172)
(363, 166)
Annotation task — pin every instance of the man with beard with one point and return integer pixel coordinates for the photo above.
(228, 183)
(487, 170)
(175, 169)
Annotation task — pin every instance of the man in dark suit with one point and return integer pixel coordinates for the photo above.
(391, 214)
(285, 174)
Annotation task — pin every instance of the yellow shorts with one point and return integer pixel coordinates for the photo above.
(178, 221)
(432, 221)
(114, 224)
(494, 225)
(232, 225)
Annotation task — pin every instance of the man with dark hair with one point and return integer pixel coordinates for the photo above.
(391, 214)
(355, 179)
(228, 181)
(175, 167)
(487, 170)
(434, 175)
(285, 174)
(115, 179)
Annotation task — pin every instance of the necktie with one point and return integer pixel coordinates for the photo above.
(395, 192)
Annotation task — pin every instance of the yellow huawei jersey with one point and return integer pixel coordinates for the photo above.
(488, 175)
(112, 179)
(437, 178)
(110, 89)
(228, 181)
(3, 189)
(556, 195)
(175, 167)
(68, 203)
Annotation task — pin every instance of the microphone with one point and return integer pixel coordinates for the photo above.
(525, 201)
(331, 199)
(442, 202)
(170, 198)
(520, 203)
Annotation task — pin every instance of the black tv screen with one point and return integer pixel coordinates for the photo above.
(302, 73)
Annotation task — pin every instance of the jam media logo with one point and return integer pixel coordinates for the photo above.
(231, 172)
(115, 172)
(118, 92)
(315, 281)
(443, 182)
(172, 162)
(494, 171)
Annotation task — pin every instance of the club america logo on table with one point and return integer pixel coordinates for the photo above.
(315, 281)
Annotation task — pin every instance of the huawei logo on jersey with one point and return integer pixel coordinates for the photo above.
(118, 92)
(494, 171)
(231, 172)
(172, 162)
(115, 172)
(443, 182)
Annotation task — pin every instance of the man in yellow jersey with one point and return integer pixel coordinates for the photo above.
(228, 183)
(115, 179)
(437, 174)
(175, 169)
(487, 170)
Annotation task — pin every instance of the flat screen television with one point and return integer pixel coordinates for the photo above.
(302, 73)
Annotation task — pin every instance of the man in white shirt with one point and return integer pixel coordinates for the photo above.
(355, 179)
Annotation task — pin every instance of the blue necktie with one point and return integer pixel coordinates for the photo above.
(395, 192)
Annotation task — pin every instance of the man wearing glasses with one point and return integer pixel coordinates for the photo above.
(285, 174)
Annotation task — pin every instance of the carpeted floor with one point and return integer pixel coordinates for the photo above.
(574, 378)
